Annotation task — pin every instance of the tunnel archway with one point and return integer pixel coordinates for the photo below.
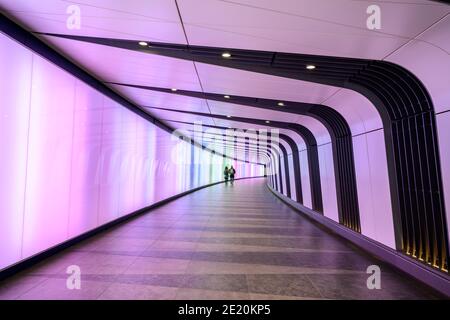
(408, 120)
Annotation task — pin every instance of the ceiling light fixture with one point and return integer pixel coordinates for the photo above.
(226, 55)
(228, 116)
(280, 104)
(267, 121)
(174, 89)
(310, 66)
(143, 43)
(226, 97)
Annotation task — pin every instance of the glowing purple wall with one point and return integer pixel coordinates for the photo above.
(72, 159)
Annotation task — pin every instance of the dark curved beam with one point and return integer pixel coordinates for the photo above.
(240, 146)
(297, 171)
(261, 151)
(247, 148)
(311, 145)
(307, 136)
(313, 161)
(267, 142)
(286, 170)
(296, 166)
(335, 123)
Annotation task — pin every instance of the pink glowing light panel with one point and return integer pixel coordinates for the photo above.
(71, 159)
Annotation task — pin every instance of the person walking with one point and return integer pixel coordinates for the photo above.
(231, 172)
(226, 174)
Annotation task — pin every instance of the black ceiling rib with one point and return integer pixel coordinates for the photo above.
(225, 144)
(342, 146)
(231, 143)
(332, 120)
(266, 141)
(269, 149)
(340, 134)
(311, 145)
(254, 148)
(247, 142)
(240, 148)
(234, 131)
(398, 116)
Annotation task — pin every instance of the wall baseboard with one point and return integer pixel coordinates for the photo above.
(428, 276)
(30, 261)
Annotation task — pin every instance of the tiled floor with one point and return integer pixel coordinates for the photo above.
(223, 242)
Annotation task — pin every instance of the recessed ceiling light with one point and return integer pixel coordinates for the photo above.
(174, 89)
(281, 104)
(226, 55)
(267, 121)
(228, 116)
(226, 97)
(310, 66)
(143, 43)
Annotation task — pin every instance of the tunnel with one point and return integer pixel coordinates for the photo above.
(225, 150)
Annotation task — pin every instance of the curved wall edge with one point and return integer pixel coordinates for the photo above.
(30, 261)
(428, 276)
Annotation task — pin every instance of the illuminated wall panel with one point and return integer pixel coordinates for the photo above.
(86, 159)
(47, 195)
(283, 175)
(107, 175)
(373, 187)
(14, 115)
(127, 171)
(73, 159)
(443, 124)
(328, 182)
(145, 150)
(305, 179)
(292, 177)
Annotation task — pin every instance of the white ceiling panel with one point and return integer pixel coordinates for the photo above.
(180, 126)
(428, 57)
(151, 20)
(325, 27)
(241, 125)
(437, 35)
(125, 66)
(148, 98)
(179, 116)
(360, 114)
(245, 83)
(237, 110)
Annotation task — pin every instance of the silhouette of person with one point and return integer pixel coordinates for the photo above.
(226, 173)
(231, 172)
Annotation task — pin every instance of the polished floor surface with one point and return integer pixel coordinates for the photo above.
(222, 242)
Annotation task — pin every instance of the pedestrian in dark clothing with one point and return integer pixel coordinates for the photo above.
(226, 173)
(231, 172)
